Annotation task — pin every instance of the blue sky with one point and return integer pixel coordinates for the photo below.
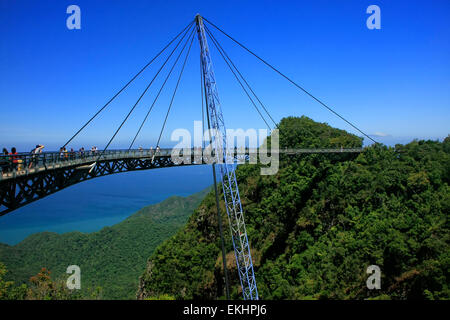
(392, 82)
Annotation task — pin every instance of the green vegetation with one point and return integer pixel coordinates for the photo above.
(111, 260)
(314, 228)
(318, 224)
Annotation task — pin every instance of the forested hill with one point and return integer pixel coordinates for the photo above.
(112, 258)
(316, 226)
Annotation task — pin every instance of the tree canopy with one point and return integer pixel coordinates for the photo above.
(316, 225)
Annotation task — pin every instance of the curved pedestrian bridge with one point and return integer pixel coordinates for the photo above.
(25, 177)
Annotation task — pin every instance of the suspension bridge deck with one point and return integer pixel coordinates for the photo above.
(28, 164)
(26, 177)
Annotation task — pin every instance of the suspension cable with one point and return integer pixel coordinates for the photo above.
(239, 81)
(175, 91)
(240, 74)
(160, 90)
(137, 102)
(201, 94)
(289, 79)
(126, 85)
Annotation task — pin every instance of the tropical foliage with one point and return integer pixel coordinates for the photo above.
(316, 225)
(110, 260)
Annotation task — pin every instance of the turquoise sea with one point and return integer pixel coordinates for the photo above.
(94, 204)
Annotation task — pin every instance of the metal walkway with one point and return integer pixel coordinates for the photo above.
(31, 177)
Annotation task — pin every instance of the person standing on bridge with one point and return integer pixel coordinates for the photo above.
(15, 159)
(35, 155)
(156, 151)
(5, 164)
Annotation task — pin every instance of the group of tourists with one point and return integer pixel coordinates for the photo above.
(71, 154)
(10, 161)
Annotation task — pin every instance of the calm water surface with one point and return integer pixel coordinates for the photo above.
(92, 205)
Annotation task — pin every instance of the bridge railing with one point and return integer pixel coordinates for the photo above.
(23, 161)
(29, 162)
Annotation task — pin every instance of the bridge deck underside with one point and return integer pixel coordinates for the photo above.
(30, 185)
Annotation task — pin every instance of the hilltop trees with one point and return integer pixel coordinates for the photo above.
(316, 226)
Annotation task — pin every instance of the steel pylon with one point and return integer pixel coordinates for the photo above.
(227, 169)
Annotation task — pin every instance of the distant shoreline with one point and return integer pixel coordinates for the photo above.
(92, 205)
(17, 235)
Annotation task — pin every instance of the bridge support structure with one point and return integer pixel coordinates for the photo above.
(227, 170)
(23, 188)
